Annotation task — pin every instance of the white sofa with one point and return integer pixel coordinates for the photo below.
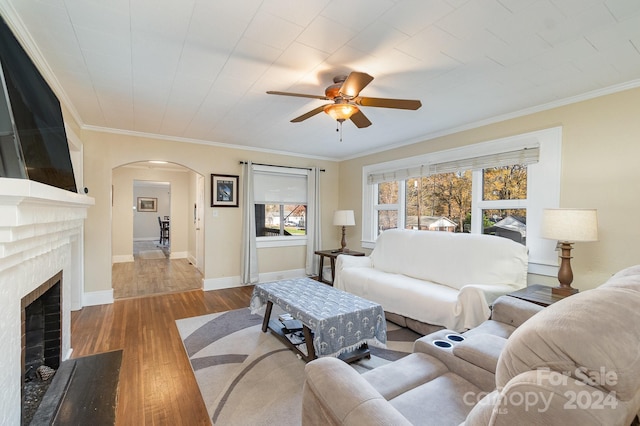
(441, 279)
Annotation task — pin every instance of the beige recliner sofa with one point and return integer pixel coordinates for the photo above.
(575, 362)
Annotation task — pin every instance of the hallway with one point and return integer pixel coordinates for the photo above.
(152, 272)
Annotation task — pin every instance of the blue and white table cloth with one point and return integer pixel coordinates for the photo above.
(340, 321)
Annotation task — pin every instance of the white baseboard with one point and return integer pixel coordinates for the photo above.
(121, 258)
(231, 282)
(220, 283)
(178, 255)
(146, 239)
(93, 298)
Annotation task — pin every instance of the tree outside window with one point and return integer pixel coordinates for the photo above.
(280, 220)
(443, 202)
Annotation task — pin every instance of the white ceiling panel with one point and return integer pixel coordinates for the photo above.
(412, 16)
(356, 14)
(577, 26)
(622, 9)
(103, 17)
(326, 35)
(473, 18)
(272, 31)
(199, 69)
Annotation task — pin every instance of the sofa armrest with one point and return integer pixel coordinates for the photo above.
(346, 261)
(513, 311)
(343, 262)
(481, 350)
(474, 301)
(335, 394)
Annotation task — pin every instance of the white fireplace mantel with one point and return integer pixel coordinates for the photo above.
(33, 216)
(41, 234)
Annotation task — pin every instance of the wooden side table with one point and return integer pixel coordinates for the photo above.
(538, 294)
(332, 255)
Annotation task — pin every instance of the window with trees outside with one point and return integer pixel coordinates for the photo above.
(497, 188)
(274, 220)
(280, 203)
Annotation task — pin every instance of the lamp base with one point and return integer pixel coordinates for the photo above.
(564, 291)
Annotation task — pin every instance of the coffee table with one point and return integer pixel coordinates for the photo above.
(335, 323)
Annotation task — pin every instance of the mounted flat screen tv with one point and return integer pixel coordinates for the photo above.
(33, 141)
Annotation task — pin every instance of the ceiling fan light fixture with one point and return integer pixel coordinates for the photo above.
(341, 111)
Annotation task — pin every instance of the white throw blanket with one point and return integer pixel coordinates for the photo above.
(438, 278)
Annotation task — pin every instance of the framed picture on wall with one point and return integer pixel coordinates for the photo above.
(147, 204)
(224, 191)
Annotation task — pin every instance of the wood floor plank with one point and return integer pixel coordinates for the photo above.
(144, 277)
(157, 385)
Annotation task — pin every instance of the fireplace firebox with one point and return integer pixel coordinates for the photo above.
(41, 340)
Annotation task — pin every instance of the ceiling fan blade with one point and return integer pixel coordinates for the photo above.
(308, 114)
(299, 95)
(388, 103)
(355, 83)
(360, 120)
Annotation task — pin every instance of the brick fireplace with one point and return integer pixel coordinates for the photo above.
(41, 248)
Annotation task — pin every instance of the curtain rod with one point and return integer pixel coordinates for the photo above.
(284, 167)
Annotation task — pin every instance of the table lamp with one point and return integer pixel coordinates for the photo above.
(568, 226)
(344, 218)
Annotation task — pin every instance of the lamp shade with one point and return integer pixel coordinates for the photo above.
(570, 224)
(344, 218)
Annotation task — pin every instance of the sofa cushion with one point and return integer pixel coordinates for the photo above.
(397, 377)
(427, 302)
(445, 400)
(490, 326)
(592, 334)
(451, 259)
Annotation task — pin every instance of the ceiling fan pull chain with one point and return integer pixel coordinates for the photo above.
(340, 128)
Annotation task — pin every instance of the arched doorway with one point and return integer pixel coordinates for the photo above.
(144, 196)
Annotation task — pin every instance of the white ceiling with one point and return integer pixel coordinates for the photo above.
(199, 70)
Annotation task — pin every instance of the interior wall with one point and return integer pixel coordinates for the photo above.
(145, 224)
(122, 223)
(105, 151)
(600, 149)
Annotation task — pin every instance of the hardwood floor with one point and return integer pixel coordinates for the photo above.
(157, 385)
(152, 272)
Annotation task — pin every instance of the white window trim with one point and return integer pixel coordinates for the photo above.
(281, 241)
(543, 189)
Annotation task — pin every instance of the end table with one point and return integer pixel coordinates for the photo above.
(332, 255)
(538, 294)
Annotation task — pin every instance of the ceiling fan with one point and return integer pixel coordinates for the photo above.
(345, 94)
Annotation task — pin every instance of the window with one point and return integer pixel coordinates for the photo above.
(274, 220)
(498, 188)
(439, 202)
(387, 206)
(280, 202)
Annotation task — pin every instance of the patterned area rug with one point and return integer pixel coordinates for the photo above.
(247, 377)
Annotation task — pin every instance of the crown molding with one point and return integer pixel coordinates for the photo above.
(202, 142)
